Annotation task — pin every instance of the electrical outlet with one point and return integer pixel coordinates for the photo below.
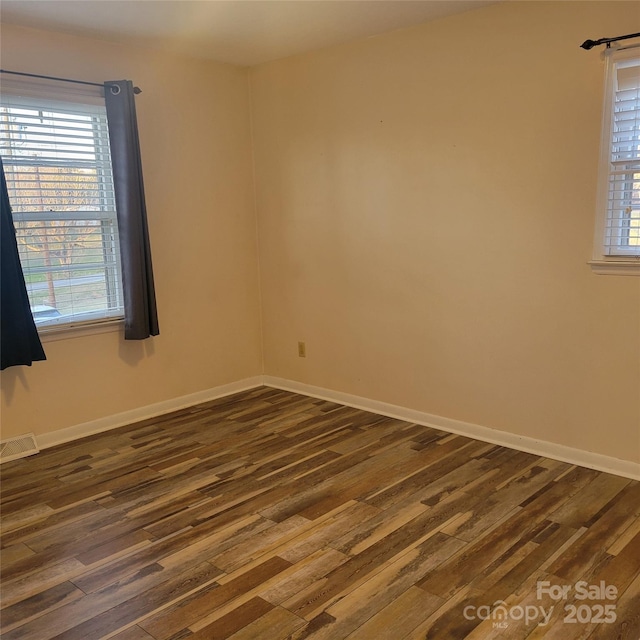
(302, 350)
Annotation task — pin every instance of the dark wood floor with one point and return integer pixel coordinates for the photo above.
(273, 515)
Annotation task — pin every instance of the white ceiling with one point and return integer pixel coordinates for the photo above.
(243, 32)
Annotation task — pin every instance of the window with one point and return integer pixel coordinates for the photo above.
(58, 168)
(618, 234)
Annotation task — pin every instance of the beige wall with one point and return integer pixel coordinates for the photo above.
(426, 206)
(195, 138)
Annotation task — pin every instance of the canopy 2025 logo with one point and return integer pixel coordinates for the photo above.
(500, 613)
(584, 613)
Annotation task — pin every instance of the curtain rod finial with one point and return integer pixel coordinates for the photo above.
(588, 44)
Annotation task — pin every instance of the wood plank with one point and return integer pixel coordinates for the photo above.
(589, 500)
(277, 624)
(234, 621)
(513, 532)
(132, 633)
(360, 604)
(627, 624)
(52, 574)
(38, 604)
(142, 603)
(306, 604)
(589, 550)
(94, 605)
(268, 514)
(401, 616)
(14, 553)
(307, 572)
(167, 623)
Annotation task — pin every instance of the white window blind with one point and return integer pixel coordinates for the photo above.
(622, 207)
(58, 168)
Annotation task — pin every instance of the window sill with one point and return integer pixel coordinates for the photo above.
(616, 267)
(79, 330)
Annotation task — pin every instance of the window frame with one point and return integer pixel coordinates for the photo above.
(44, 96)
(614, 262)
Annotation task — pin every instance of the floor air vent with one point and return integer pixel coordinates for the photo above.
(19, 447)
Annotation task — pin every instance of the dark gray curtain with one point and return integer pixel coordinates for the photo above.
(19, 340)
(140, 313)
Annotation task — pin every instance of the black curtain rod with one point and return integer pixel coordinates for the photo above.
(589, 44)
(36, 75)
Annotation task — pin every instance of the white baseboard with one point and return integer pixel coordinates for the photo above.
(599, 462)
(142, 413)
(580, 457)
